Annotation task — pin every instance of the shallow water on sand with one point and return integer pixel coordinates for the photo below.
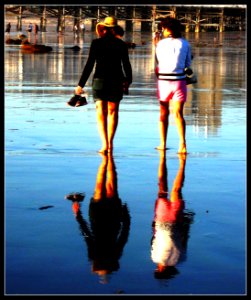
(51, 151)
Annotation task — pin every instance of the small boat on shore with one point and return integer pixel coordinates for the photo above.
(35, 48)
(15, 41)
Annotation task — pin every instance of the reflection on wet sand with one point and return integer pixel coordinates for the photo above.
(171, 222)
(46, 142)
(108, 230)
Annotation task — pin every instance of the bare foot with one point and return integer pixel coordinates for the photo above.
(103, 151)
(110, 149)
(182, 149)
(161, 148)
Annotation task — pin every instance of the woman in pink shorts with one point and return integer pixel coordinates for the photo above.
(173, 55)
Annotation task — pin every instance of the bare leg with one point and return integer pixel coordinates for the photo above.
(163, 124)
(181, 125)
(111, 176)
(100, 189)
(179, 179)
(113, 118)
(162, 176)
(101, 110)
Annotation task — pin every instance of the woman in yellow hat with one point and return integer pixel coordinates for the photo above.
(112, 74)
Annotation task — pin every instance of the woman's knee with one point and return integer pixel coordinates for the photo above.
(101, 107)
(178, 115)
(178, 111)
(163, 117)
(164, 113)
(113, 108)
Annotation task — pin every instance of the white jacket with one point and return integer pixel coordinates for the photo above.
(173, 55)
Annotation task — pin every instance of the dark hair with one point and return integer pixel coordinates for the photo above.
(173, 25)
(109, 31)
(119, 30)
(168, 273)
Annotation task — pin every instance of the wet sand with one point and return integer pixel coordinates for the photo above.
(51, 151)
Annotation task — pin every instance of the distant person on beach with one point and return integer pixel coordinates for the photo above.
(75, 29)
(171, 222)
(109, 227)
(173, 55)
(113, 75)
(36, 28)
(29, 28)
(8, 28)
(82, 27)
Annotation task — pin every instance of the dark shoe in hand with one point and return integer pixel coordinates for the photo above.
(77, 100)
(82, 101)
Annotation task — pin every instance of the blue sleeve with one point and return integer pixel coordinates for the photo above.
(188, 57)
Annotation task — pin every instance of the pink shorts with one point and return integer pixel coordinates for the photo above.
(175, 90)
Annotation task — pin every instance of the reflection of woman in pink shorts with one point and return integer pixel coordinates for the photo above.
(173, 55)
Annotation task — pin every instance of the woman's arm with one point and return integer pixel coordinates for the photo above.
(87, 69)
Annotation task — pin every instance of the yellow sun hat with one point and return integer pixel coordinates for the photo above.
(108, 22)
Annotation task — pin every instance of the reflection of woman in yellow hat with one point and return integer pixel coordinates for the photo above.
(107, 232)
(112, 73)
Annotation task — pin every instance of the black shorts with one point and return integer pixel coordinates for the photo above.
(107, 90)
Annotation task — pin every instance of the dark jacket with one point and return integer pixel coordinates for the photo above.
(112, 61)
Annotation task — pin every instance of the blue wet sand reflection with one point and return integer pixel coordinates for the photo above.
(51, 152)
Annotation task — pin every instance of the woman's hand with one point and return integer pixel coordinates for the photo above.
(78, 90)
(126, 87)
